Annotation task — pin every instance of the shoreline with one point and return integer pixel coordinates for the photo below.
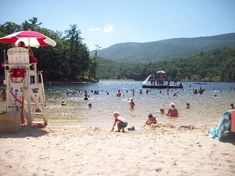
(92, 81)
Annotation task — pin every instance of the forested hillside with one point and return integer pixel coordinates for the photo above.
(217, 65)
(201, 59)
(166, 49)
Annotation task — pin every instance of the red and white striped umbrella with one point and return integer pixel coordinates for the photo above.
(30, 38)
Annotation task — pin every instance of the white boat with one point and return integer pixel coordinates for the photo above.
(158, 81)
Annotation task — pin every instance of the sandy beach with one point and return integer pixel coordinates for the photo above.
(78, 141)
(70, 149)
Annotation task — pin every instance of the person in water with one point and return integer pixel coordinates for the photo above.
(120, 121)
(85, 95)
(172, 111)
(187, 105)
(151, 120)
(132, 104)
(118, 94)
(90, 105)
(162, 110)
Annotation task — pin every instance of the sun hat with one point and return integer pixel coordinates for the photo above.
(172, 104)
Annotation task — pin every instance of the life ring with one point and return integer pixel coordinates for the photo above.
(17, 75)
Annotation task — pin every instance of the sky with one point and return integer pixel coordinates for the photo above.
(108, 22)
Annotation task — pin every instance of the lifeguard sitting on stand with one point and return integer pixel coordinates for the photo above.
(32, 58)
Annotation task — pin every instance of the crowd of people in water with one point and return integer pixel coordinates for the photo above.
(121, 121)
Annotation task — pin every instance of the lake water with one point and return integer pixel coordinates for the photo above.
(206, 109)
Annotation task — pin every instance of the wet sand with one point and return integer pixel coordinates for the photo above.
(70, 149)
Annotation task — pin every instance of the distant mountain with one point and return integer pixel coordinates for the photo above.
(165, 49)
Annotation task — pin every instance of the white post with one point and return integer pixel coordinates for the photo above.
(28, 99)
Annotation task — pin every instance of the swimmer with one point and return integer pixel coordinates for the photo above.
(118, 94)
(85, 95)
(172, 111)
(187, 105)
(90, 105)
(132, 104)
(147, 91)
(162, 110)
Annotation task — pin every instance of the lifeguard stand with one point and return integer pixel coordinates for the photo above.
(24, 88)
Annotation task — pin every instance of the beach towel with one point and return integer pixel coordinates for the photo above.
(223, 126)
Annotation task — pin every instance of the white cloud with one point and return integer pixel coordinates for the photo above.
(94, 29)
(108, 28)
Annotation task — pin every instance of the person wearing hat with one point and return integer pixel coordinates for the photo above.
(172, 112)
(151, 120)
(120, 121)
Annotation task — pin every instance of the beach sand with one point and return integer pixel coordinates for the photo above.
(68, 149)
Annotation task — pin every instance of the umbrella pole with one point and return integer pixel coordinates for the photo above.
(4, 55)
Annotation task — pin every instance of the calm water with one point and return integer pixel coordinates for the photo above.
(205, 109)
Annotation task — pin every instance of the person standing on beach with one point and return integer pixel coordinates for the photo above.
(120, 121)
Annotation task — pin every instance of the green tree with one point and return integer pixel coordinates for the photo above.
(68, 61)
(31, 24)
(78, 53)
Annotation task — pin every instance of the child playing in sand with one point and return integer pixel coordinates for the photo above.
(151, 120)
(120, 121)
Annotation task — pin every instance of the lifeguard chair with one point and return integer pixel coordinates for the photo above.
(25, 93)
